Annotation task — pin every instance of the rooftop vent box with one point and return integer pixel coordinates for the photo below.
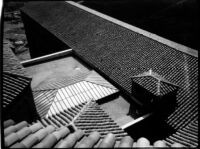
(154, 92)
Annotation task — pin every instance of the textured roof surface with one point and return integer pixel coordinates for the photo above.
(15, 78)
(13, 85)
(24, 135)
(11, 63)
(86, 115)
(120, 53)
(154, 83)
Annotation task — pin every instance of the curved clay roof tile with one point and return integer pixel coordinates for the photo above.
(42, 133)
(159, 143)
(10, 139)
(89, 141)
(30, 141)
(18, 145)
(23, 132)
(126, 141)
(8, 123)
(15, 128)
(35, 127)
(143, 142)
(71, 139)
(108, 141)
(47, 142)
(64, 131)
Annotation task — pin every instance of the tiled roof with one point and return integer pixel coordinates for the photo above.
(34, 135)
(117, 52)
(43, 100)
(88, 117)
(188, 136)
(11, 63)
(120, 53)
(15, 78)
(13, 85)
(154, 83)
(53, 101)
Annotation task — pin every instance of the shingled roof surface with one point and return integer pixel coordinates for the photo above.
(120, 53)
(11, 63)
(15, 78)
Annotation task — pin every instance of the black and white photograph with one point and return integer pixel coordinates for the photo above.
(99, 74)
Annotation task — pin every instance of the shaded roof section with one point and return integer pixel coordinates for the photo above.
(120, 53)
(11, 63)
(15, 78)
(188, 136)
(13, 85)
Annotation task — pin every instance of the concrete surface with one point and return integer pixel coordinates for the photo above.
(55, 70)
(118, 109)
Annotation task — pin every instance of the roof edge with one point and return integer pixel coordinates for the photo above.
(160, 39)
(46, 57)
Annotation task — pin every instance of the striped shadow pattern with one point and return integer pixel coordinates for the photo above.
(77, 94)
(13, 86)
(96, 119)
(87, 116)
(43, 101)
(63, 118)
(188, 135)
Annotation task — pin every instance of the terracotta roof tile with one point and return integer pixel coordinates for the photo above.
(47, 142)
(143, 142)
(108, 141)
(89, 141)
(10, 139)
(30, 141)
(175, 145)
(23, 132)
(61, 133)
(15, 128)
(18, 145)
(35, 127)
(70, 140)
(159, 143)
(63, 137)
(8, 123)
(126, 141)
